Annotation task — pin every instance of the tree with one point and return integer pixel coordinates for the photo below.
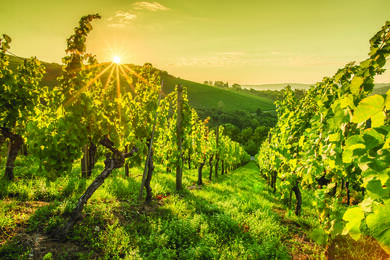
(81, 88)
(20, 94)
(236, 86)
(219, 83)
(73, 121)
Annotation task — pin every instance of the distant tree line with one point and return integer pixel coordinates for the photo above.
(274, 94)
(271, 94)
(249, 129)
(217, 83)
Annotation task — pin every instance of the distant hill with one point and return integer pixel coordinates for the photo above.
(52, 70)
(379, 88)
(200, 96)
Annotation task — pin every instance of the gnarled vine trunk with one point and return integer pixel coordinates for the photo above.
(149, 178)
(273, 181)
(216, 154)
(75, 216)
(179, 137)
(211, 167)
(16, 142)
(216, 167)
(200, 169)
(223, 167)
(189, 160)
(89, 159)
(2, 141)
(298, 196)
(114, 160)
(127, 171)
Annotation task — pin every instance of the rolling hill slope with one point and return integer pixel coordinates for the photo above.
(200, 96)
(209, 97)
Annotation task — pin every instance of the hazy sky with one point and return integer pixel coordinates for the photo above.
(241, 41)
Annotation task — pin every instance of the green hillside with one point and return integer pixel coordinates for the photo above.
(209, 97)
(200, 96)
(52, 70)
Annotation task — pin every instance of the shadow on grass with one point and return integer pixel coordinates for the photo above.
(4, 184)
(160, 230)
(225, 236)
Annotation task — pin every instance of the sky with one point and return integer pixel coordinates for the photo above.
(245, 42)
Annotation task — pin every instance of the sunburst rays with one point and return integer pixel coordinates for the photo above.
(87, 85)
(108, 79)
(118, 93)
(120, 70)
(128, 79)
(131, 71)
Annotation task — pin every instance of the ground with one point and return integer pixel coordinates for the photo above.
(232, 217)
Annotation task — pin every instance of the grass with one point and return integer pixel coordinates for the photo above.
(233, 217)
(222, 220)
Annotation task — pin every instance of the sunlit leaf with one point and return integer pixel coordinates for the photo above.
(370, 107)
(379, 222)
(355, 84)
(354, 217)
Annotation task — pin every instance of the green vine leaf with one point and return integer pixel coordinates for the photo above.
(354, 217)
(355, 85)
(370, 107)
(379, 223)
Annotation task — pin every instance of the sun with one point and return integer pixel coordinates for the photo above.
(116, 59)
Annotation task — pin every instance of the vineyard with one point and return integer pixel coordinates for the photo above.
(97, 168)
(78, 119)
(335, 143)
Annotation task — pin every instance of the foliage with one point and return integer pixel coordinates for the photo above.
(20, 90)
(72, 119)
(20, 94)
(248, 129)
(338, 134)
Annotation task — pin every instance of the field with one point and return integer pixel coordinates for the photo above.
(233, 217)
